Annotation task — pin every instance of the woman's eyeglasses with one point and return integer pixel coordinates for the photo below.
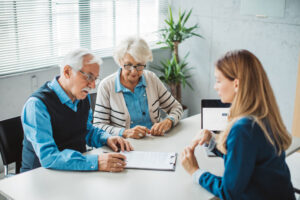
(137, 67)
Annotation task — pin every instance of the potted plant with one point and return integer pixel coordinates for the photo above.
(175, 72)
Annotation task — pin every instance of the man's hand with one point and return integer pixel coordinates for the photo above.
(203, 137)
(161, 127)
(116, 142)
(188, 160)
(136, 132)
(111, 162)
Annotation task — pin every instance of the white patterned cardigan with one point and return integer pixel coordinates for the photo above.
(111, 112)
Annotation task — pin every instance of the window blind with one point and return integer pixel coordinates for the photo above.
(37, 34)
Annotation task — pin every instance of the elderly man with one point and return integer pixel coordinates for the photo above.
(57, 121)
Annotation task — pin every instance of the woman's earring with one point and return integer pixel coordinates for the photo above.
(235, 90)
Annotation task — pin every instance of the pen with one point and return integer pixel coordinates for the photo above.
(112, 152)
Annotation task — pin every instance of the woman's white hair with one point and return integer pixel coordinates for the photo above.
(136, 47)
(75, 59)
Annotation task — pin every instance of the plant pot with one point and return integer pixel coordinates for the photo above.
(185, 112)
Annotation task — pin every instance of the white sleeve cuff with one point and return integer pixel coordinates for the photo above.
(197, 174)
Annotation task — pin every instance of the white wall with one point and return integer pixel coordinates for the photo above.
(275, 41)
(16, 89)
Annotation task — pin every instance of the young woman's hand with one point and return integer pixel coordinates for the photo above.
(188, 160)
(203, 137)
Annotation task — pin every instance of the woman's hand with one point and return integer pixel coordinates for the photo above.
(203, 137)
(161, 127)
(136, 132)
(188, 160)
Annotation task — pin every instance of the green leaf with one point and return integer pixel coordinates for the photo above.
(190, 85)
(195, 34)
(171, 16)
(186, 55)
(183, 82)
(182, 16)
(187, 76)
(170, 24)
(187, 17)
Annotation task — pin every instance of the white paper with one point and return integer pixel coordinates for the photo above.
(150, 160)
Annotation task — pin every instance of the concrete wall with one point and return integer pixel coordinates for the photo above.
(16, 89)
(275, 41)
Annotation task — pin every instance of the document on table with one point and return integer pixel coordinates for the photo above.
(150, 160)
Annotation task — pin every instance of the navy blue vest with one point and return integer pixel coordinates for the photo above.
(69, 128)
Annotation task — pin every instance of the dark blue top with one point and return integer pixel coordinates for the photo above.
(253, 170)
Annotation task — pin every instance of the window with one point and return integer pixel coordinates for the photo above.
(38, 33)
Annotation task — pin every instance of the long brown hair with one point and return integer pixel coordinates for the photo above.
(254, 98)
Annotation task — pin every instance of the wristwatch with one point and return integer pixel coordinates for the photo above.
(172, 119)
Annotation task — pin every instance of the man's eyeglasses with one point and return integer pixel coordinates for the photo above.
(90, 78)
(137, 67)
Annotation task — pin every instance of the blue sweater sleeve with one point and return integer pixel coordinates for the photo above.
(239, 165)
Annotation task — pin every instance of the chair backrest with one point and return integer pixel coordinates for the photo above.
(11, 137)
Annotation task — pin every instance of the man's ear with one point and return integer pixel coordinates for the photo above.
(67, 72)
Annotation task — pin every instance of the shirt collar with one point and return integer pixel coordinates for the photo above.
(120, 88)
(62, 95)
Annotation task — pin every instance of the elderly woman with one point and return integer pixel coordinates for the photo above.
(129, 101)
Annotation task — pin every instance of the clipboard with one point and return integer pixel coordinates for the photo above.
(164, 161)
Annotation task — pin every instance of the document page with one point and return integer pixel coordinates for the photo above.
(150, 160)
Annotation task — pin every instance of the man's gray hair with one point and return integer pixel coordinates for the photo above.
(75, 59)
(136, 47)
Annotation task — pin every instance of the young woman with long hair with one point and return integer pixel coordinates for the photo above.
(254, 142)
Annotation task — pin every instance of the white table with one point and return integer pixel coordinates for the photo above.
(295, 146)
(293, 162)
(128, 185)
